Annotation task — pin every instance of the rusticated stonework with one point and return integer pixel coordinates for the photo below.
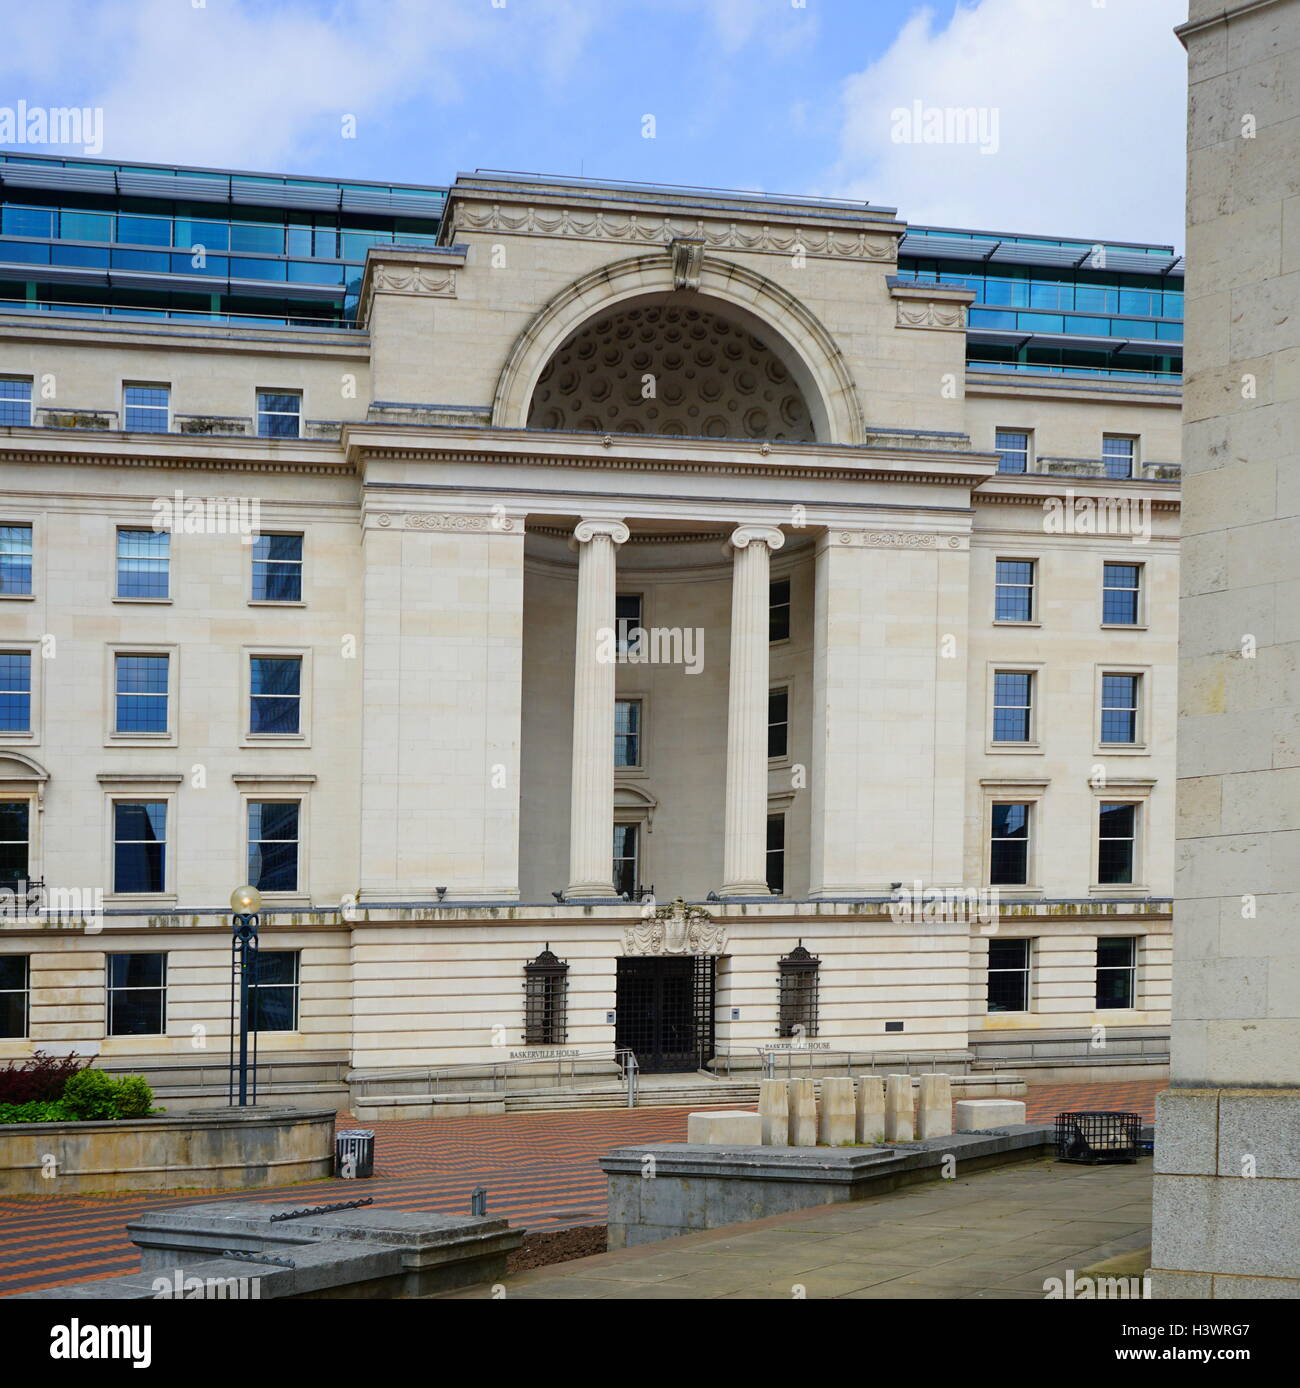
(662, 231)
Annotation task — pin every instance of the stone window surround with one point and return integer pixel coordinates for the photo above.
(1010, 790)
(1034, 668)
(1132, 791)
(112, 650)
(36, 695)
(131, 788)
(283, 786)
(36, 524)
(113, 596)
(1141, 565)
(303, 530)
(1141, 746)
(1036, 593)
(248, 738)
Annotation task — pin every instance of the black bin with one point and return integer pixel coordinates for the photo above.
(354, 1153)
(1095, 1137)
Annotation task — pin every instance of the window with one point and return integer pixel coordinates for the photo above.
(15, 995)
(274, 1001)
(546, 986)
(1121, 589)
(15, 842)
(273, 845)
(141, 694)
(15, 691)
(15, 559)
(627, 732)
(15, 402)
(626, 868)
(1119, 708)
(778, 610)
(137, 994)
(1013, 450)
(776, 854)
(1014, 592)
(1116, 973)
(1009, 856)
(1008, 975)
(1116, 843)
(139, 846)
(1013, 706)
(147, 409)
(279, 414)
(275, 702)
(797, 998)
(778, 722)
(277, 568)
(143, 561)
(1118, 456)
(627, 622)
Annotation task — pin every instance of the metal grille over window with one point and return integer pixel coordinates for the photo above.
(546, 986)
(798, 1000)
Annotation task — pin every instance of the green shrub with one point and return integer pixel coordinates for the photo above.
(91, 1096)
(134, 1097)
(37, 1111)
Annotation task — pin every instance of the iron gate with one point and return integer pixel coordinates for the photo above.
(665, 1011)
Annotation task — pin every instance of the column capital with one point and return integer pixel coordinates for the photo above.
(745, 535)
(586, 530)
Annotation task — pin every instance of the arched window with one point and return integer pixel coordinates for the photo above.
(546, 984)
(798, 997)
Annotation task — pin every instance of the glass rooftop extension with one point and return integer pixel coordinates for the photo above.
(92, 237)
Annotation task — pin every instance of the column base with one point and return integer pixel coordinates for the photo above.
(745, 889)
(591, 891)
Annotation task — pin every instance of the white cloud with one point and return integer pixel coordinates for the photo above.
(256, 85)
(1088, 103)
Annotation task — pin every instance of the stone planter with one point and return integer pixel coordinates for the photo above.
(221, 1149)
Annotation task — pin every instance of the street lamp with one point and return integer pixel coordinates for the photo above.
(245, 902)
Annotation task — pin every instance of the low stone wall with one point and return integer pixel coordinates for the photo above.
(228, 1149)
(660, 1191)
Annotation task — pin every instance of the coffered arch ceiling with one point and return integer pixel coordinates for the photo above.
(686, 369)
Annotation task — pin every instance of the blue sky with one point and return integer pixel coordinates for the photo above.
(1080, 103)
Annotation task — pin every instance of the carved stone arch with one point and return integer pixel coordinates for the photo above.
(788, 327)
(19, 771)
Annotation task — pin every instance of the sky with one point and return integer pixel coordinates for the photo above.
(1060, 117)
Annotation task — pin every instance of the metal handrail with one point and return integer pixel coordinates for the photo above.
(848, 1061)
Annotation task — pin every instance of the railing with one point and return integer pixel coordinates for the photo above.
(1118, 1050)
(216, 1074)
(495, 1074)
(1100, 372)
(796, 1060)
(334, 323)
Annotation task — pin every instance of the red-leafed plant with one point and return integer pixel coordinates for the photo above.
(38, 1080)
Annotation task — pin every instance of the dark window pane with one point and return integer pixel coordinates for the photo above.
(136, 1013)
(13, 971)
(275, 1009)
(778, 617)
(273, 866)
(276, 683)
(13, 1015)
(778, 726)
(1114, 988)
(136, 970)
(1008, 954)
(1008, 992)
(1115, 861)
(1116, 953)
(274, 819)
(277, 966)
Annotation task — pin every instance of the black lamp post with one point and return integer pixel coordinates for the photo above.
(245, 902)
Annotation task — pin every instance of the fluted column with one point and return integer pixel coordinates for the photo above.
(744, 854)
(591, 804)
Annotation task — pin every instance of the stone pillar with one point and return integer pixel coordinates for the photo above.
(934, 1110)
(591, 803)
(871, 1108)
(898, 1108)
(803, 1113)
(774, 1110)
(837, 1122)
(744, 855)
(1226, 1194)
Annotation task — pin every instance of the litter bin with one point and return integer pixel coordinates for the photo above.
(1098, 1137)
(354, 1153)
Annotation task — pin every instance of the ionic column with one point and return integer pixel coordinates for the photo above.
(744, 852)
(591, 805)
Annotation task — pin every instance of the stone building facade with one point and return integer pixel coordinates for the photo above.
(631, 545)
(1227, 1193)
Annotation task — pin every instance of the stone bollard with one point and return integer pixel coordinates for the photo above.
(871, 1109)
(803, 1113)
(934, 1111)
(774, 1110)
(898, 1108)
(979, 1115)
(734, 1129)
(838, 1120)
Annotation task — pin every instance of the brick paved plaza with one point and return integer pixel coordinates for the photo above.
(540, 1170)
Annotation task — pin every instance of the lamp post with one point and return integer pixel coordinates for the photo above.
(245, 902)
